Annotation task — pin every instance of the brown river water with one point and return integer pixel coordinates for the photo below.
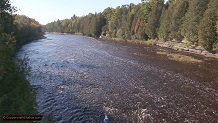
(83, 80)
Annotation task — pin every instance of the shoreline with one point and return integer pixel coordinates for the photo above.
(177, 46)
(194, 50)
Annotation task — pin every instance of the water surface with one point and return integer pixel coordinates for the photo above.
(84, 80)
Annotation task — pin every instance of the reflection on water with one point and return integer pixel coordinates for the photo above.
(83, 80)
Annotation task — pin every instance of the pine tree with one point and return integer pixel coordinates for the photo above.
(154, 18)
(215, 45)
(178, 10)
(93, 25)
(192, 18)
(217, 24)
(163, 30)
(207, 27)
(140, 20)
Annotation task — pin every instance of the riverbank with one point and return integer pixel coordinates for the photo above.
(183, 47)
(22, 42)
(179, 46)
(17, 97)
(16, 94)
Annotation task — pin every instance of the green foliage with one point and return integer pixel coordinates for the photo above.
(16, 95)
(215, 46)
(177, 12)
(152, 19)
(207, 27)
(6, 20)
(120, 33)
(26, 29)
(163, 30)
(207, 31)
(183, 58)
(179, 57)
(141, 20)
(90, 25)
(122, 22)
(192, 18)
(217, 24)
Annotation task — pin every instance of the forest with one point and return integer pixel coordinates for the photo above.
(192, 21)
(16, 95)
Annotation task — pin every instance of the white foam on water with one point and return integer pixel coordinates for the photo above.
(106, 118)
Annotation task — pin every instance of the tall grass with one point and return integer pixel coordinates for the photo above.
(179, 57)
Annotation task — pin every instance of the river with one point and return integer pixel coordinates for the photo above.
(79, 79)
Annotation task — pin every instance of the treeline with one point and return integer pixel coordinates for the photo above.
(27, 29)
(16, 95)
(193, 21)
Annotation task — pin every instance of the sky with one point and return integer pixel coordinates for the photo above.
(45, 11)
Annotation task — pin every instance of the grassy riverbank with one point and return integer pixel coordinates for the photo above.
(179, 57)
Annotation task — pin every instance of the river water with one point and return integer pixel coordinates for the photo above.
(83, 80)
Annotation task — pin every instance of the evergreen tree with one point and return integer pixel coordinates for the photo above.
(154, 18)
(140, 20)
(179, 8)
(215, 45)
(192, 18)
(151, 19)
(207, 27)
(93, 25)
(163, 30)
(100, 24)
(135, 10)
(217, 24)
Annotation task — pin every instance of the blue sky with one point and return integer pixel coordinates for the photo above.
(46, 11)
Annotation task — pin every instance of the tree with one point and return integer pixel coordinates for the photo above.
(163, 31)
(140, 18)
(217, 24)
(192, 18)
(179, 8)
(26, 29)
(13, 85)
(6, 26)
(101, 23)
(153, 23)
(6, 21)
(207, 27)
(215, 45)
